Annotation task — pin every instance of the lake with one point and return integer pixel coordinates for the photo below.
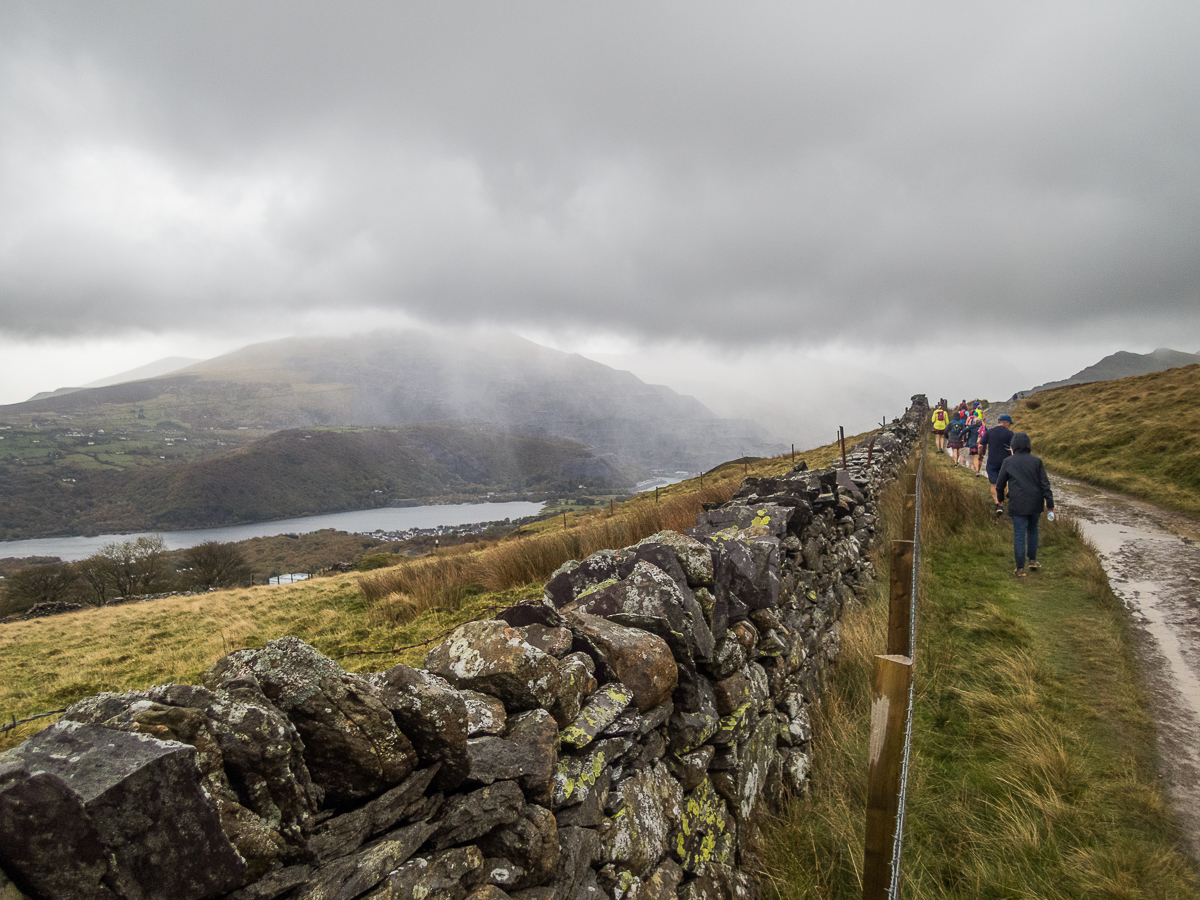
(70, 549)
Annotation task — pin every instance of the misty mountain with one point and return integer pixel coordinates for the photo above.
(150, 370)
(1123, 364)
(498, 381)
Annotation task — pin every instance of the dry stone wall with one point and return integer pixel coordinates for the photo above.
(616, 740)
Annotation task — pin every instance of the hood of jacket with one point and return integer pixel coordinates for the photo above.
(1021, 443)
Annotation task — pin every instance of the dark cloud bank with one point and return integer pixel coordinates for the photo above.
(923, 180)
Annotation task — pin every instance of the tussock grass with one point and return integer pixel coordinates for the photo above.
(1137, 435)
(1033, 771)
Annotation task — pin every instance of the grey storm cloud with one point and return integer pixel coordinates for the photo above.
(713, 170)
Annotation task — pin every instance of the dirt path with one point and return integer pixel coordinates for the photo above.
(1152, 557)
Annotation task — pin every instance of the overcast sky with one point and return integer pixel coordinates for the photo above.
(960, 199)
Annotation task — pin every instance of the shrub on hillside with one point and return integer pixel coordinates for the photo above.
(215, 565)
(53, 583)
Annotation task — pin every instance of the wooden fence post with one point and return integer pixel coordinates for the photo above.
(899, 637)
(885, 767)
(908, 525)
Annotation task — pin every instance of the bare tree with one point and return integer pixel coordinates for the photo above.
(39, 584)
(214, 564)
(137, 567)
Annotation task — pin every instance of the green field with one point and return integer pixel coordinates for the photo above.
(1034, 765)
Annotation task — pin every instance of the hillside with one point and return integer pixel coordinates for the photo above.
(1138, 435)
(500, 381)
(289, 473)
(1123, 364)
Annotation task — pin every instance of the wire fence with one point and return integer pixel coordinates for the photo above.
(893, 693)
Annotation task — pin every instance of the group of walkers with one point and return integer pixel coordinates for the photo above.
(1011, 468)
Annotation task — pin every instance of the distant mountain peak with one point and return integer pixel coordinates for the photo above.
(1124, 364)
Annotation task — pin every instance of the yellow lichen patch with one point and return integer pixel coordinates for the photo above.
(702, 829)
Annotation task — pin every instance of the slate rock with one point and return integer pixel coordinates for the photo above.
(705, 835)
(527, 753)
(744, 520)
(689, 769)
(274, 884)
(688, 730)
(488, 892)
(578, 776)
(342, 835)
(756, 754)
(693, 557)
(494, 658)
(485, 714)
(432, 714)
(530, 612)
(466, 817)
(665, 558)
(796, 766)
(731, 692)
(602, 709)
(641, 661)
(661, 885)
(647, 807)
(440, 876)
(652, 599)
(250, 755)
(352, 747)
(351, 876)
(578, 673)
(553, 641)
(578, 849)
(531, 843)
(728, 656)
(85, 810)
(573, 580)
(590, 812)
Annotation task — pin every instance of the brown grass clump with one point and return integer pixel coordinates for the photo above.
(401, 592)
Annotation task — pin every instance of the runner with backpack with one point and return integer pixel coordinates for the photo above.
(941, 421)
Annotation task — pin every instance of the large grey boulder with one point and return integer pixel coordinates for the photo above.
(646, 809)
(653, 599)
(494, 658)
(249, 755)
(431, 714)
(91, 812)
(352, 746)
(641, 661)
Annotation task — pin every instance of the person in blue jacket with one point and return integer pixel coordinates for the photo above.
(1024, 478)
(998, 449)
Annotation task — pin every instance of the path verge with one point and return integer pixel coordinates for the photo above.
(1034, 766)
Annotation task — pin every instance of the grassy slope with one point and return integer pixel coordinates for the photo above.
(1033, 771)
(1138, 435)
(48, 663)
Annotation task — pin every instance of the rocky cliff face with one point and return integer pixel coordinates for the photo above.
(616, 740)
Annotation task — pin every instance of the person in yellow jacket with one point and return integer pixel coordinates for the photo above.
(941, 421)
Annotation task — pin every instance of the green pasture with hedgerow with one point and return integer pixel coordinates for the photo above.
(1033, 769)
(1138, 435)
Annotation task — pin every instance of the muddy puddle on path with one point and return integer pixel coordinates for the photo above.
(1152, 557)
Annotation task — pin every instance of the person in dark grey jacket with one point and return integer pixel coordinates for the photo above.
(1024, 477)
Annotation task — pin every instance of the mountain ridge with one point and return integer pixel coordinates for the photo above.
(1123, 364)
(495, 380)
